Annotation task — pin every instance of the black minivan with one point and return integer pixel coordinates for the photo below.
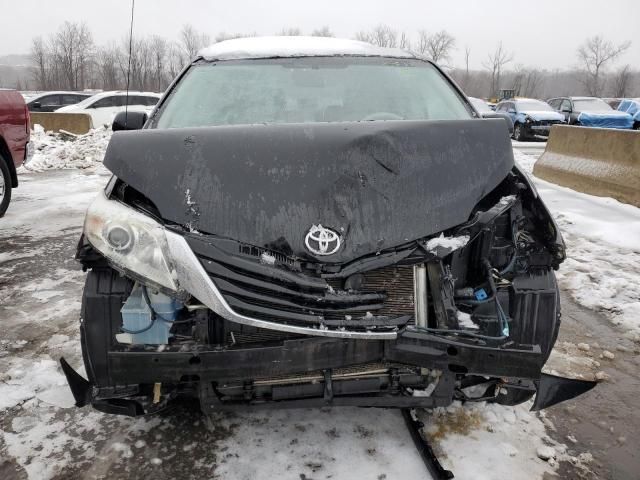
(315, 221)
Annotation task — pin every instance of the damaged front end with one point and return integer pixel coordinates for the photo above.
(426, 283)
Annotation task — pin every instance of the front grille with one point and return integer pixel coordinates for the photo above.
(397, 284)
(548, 122)
(277, 294)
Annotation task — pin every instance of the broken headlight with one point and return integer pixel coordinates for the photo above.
(130, 240)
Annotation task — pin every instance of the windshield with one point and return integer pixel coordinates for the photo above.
(534, 105)
(591, 105)
(480, 105)
(314, 89)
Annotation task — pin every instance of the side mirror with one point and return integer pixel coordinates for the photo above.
(511, 110)
(129, 121)
(36, 105)
(566, 110)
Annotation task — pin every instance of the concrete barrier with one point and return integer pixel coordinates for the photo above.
(78, 123)
(596, 161)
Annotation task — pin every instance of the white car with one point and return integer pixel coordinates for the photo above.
(104, 106)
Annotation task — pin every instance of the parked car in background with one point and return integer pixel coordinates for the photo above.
(52, 101)
(531, 118)
(104, 106)
(590, 112)
(14, 137)
(315, 222)
(632, 107)
(485, 111)
(613, 102)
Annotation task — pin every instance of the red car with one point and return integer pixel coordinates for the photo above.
(14, 137)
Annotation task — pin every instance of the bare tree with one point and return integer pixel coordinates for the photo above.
(439, 46)
(621, 82)
(466, 77)
(423, 42)
(526, 81)
(39, 56)
(175, 60)
(158, 48)
(405, 42)
(107, 66)
(291, 32)
(72, 51)
(381, 35)
(322, 32)
(467, 54)
(192, 41)
(595, 54)
(494, 64)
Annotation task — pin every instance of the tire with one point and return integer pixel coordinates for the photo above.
(5, 186)
(518, 132)
(636, 126)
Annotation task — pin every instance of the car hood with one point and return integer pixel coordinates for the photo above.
(539, 115)
(378, 184)
(69, 109)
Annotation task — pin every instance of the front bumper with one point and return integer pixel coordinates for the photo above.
(541, 129)
(306, 373)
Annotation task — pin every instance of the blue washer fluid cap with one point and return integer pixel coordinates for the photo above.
(480, 294)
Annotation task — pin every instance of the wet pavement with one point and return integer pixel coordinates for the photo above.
(605, 421)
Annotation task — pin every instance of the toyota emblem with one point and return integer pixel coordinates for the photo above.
(322, 241)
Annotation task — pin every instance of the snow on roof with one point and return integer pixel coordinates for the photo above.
(299, 46)
(124, 92)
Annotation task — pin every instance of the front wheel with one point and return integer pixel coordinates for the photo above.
(5, 186)
(518, 132)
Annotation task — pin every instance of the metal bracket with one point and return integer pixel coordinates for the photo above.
(437, 471)
(80, 387)
(328, 387)
(553, 389)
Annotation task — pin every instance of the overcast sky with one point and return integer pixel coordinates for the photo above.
(543, 33)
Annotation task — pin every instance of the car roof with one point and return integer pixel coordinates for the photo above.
(298, 46)
(585, 98)
(35, 96)
(122, 93)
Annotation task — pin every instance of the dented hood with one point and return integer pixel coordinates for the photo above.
(379, 184)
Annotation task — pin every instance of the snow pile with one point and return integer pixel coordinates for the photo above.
(60, 150)
(602, 270)
(574, 361)
(449, 244)
(481, 441)
(26, 379)
(298, 46)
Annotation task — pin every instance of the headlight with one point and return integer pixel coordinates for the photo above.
(130, 240)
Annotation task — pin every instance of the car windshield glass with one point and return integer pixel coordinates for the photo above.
(480, 105)
(534, 105)
(315, 89)
(591, 105)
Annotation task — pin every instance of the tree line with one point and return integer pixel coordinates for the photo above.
(69, 59)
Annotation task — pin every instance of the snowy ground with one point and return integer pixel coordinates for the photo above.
(41, 437)
(602, 270)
